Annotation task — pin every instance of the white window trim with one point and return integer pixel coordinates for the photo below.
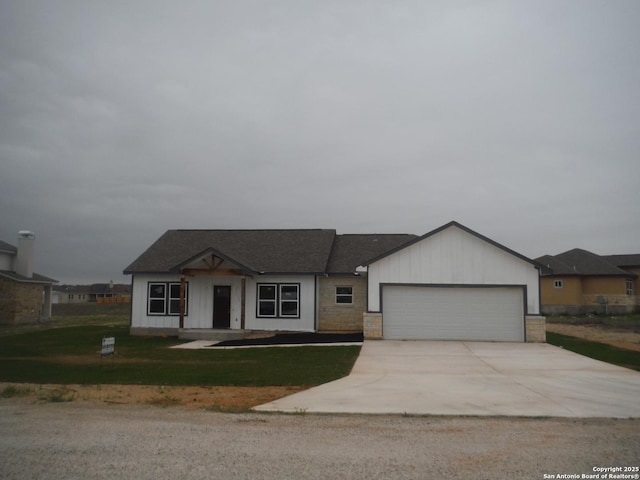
(270, 300)
(167, 299)
(558, 284)
(629, 288)
(278, 300)
(296, 301)
(344, 295)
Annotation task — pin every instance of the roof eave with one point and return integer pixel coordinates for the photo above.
(444, 227)
(41, 278)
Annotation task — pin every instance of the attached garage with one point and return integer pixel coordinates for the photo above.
(453, 313)
(453, 284)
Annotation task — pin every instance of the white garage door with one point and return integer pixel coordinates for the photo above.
(446, 313)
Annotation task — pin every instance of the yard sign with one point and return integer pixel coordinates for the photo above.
(108, 346)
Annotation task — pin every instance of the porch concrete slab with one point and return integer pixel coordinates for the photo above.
(473, 378)
(195, 345)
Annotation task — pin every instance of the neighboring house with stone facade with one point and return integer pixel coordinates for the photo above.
(580, 282)
(25, 296)
(196, 283)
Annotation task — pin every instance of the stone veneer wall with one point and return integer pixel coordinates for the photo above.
(535, 327)
(372, 326)
(20, 302)
(338, 317)
(536, 330)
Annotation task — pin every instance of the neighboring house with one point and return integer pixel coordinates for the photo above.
(70, 294)
(96, 293)
(460, 285)
(25, 296)
(579, 282)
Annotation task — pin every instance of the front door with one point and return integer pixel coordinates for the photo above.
(221, 306)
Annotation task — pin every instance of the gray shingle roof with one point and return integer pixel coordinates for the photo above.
(580, 262)
(350, 251)
(7, 247)
(255, 251)
(36, 278)
(632, 260)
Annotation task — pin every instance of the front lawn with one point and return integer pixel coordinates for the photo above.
(630, 321)
(69, 355)
(599, 351)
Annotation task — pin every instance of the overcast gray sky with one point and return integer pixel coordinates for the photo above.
(122, 119)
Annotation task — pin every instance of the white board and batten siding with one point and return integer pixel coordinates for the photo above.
(200, 302)
(453, 256)
(453, 285)
(307, 304)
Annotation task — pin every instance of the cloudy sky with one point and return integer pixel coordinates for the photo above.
(122, 119)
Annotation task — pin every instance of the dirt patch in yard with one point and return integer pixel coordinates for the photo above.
(226, 399)
(597, 333)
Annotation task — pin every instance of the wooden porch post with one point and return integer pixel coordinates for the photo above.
(243, 292)
(181, 301)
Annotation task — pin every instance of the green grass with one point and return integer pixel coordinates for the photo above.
(629, 322)
(66, 355)
(599, 351)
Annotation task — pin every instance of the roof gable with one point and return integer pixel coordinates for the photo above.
(257, 251)
(452, 224)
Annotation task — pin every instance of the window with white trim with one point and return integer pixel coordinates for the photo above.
(558, 284)
(344, 295)
(267, 300)
(163, 298)
(278, 300)
(629, 287)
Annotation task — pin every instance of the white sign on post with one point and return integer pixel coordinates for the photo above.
(108, 346)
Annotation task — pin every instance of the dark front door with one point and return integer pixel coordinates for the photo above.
(221, 306)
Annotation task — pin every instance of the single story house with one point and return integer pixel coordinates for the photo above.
(451, 283)
(578, 282)
(25, 296)
(94, 293)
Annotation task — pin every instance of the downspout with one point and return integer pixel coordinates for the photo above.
(243, 294)
(181, 302)
(131, 305)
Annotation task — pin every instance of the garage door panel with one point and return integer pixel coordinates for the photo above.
(460, 313)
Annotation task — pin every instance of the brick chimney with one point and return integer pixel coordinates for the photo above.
(24, 259)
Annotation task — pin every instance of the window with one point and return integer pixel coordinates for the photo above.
(164, 299)
(279, 300)
(629, 287)
(558, 284)
(344, 295)
(267, 300)
(289, 300)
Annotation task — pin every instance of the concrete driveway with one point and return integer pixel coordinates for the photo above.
(473, 378)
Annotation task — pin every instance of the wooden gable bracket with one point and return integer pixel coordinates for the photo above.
(193, 272)
(214, 268)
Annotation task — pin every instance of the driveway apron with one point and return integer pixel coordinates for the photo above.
(473, 378)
